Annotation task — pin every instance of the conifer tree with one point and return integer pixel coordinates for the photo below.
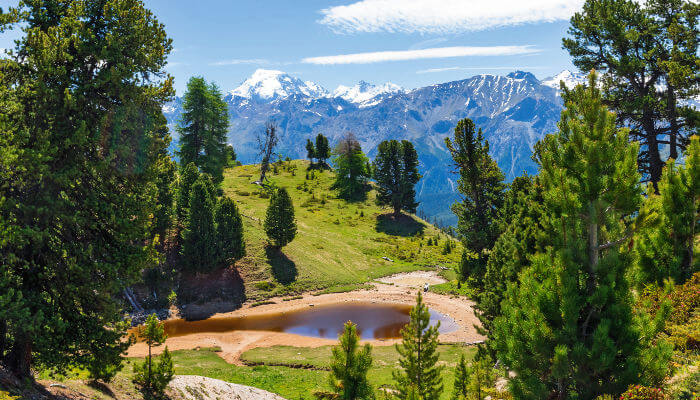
(154, 335)
(481, 184)
(81, 101)
(323, 150)
(668, 248)
(188, 176)
(418, 356)
(310, 151)
(460, 389)
(229, 231)
(396, 172)
(199, 245)
(567, 328)
(203, 128)
(349, 367)
(165, 182)
(351, 169)
(280, 224)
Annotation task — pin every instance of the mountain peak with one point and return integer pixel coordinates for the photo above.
(523, 75)
(366, 94)
(272, 84)
(570, 79)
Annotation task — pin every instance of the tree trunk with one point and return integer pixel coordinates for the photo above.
(20, 358)
(148, 377)
(655, 163)
(673, 133)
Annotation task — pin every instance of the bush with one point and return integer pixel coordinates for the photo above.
(264, 285)
(638, 392)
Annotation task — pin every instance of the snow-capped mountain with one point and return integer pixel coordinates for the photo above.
(571, 79)
(365, 94)
(514, 111)
(268, 84)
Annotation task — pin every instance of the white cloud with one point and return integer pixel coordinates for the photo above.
(446, 69)
(403, 55)
(239, 61)
(443, 16)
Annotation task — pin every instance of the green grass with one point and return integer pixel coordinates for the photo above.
(338, 243)
(280, 370)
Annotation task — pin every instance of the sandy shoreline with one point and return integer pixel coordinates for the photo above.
(397, 289)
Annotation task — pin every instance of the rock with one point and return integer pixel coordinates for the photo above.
(193, 387)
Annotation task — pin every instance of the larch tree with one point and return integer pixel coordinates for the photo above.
(229, 232)
(481, 186)
(418, 356)
(82, 94)
(396, 172)
(568, 328)
(203, 127)
(280, 224)
(199, 242)
(267, 143)
(668, 248)
(648, 54)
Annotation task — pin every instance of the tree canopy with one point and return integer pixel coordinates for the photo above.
(396, 172)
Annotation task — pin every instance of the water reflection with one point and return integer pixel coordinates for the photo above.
(374, 321)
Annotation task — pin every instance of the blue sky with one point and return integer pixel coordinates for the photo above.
(432, 40)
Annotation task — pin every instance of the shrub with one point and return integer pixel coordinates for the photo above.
(637, 392)
(264, 285)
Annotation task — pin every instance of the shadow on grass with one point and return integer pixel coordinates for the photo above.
(401, 225)
(283, 269)
(102, 388)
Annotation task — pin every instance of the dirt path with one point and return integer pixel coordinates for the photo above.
(396, 289)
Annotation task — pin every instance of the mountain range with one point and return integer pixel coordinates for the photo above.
(514, 111)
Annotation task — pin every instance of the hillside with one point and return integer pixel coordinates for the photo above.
(515, 111)
(339, 244)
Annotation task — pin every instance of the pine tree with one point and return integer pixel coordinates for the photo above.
(667, 249)
(202, 128)
(460, 389)
(280, 224)
(229, 231)
(647, 87)
(351, 169)
(199, 249)
(481, 184)
(418, 356)
(165, 182)
(154, 335)
(80, 111)
(396, 172)
(323, 150)
(188, 176)
(567, 328)
(310, 151)
(349, 367)
(163, 373)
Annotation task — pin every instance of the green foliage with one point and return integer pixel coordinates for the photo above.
(203, 127)
(199, 241)
(229, 231)
(481, 184)
(460, 389)
(165, 181)
(322, 149)
(568, 327)
(473, 383)
(230, 156)
(396, 172)
(105, 360)
(349, 366)
(153, 378)
(351, 169)
(188, 176)
(82, 132)
(668, 249)
(280, 224)
(418, 356)
(648, 86)
(310, 151)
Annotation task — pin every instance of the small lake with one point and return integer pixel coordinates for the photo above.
(374, 321)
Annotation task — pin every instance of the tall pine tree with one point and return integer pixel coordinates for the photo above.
(188, 176)
(310, 151)
(81, 116)
(568, 329)
(202, 128)
(323, 150)
(396, 172)
(229, 231)
(481, 185)
(418, 356)
(199, 245)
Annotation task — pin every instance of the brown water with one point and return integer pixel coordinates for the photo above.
(374, 321)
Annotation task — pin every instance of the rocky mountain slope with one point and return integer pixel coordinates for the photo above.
(514, 111)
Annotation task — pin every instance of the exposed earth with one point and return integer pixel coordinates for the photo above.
(396, 289)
